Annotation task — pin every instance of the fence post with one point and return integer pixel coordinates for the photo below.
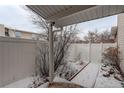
(101, 49)
(90, 51)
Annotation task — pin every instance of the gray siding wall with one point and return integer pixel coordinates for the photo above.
(121, 39)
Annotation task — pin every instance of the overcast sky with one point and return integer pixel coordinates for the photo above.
(19, 18)
(100, 25)
(16, 17)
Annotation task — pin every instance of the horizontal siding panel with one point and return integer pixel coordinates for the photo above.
(121, 39)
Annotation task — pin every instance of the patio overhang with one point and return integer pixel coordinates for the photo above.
(64, 15)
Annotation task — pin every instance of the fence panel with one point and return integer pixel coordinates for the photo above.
(85, 50)
(96, 52)
(17, 59)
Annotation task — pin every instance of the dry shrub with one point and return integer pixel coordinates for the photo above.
(66, 70)
(62, 42)
(111, 54)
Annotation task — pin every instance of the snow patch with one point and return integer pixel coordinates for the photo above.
(58, 79)
(87, 76)
(23, 83)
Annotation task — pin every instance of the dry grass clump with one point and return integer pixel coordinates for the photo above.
(111, 54)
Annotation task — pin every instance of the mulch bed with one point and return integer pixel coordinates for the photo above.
(63, 85)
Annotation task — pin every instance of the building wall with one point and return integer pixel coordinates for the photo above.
(121, 39)
(2, 30)
(26, 35)
(11, 33)
(17, 59)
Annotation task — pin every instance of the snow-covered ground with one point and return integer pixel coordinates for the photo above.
(92, 76)
(107, 82)
(58, 79)
(77, 65)
(66, 71)
(24, 83)
(87, 76)
(28, 82)
(45, 85)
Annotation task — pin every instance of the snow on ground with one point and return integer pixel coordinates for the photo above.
(107, 82)
(87, 76)
(67, 70)
(92, 76)
(76, 65)
(23, 83)
(58, 79)
(45, 85)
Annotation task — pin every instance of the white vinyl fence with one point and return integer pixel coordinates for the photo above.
(88, 52)
(17, 59)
